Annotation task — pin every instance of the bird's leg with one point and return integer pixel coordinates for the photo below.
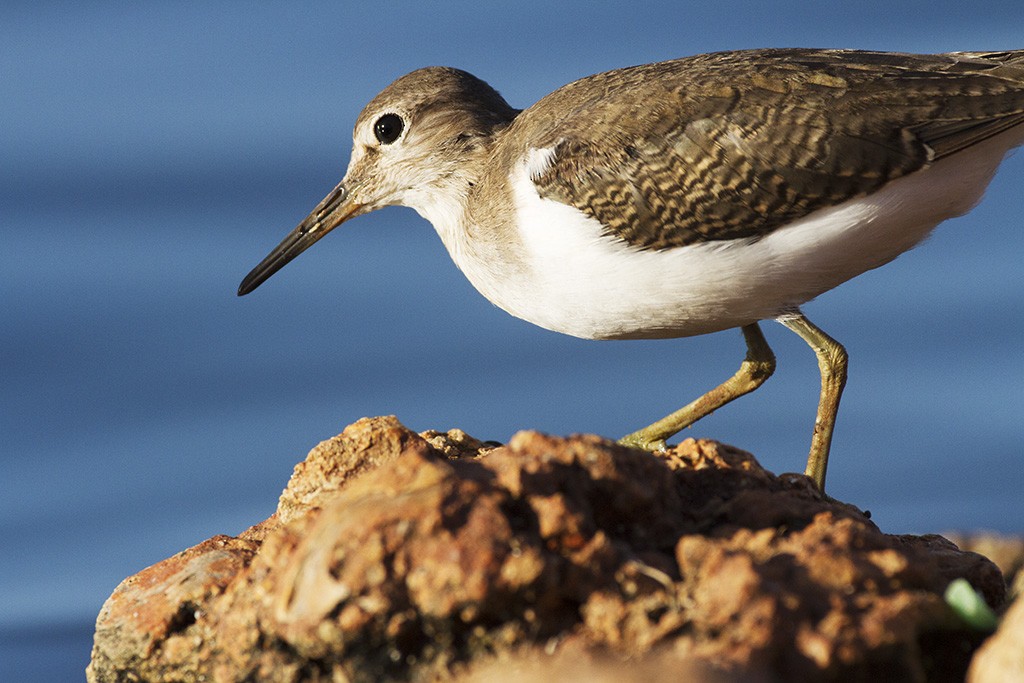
(755, 369)
(832, 361)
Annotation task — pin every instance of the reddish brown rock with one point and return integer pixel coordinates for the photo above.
(395, 556)
(333, 463)
(151, 613)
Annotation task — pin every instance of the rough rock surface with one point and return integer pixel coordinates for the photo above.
(397, 556)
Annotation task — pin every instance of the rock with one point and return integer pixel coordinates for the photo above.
(396, 556)
(153, 611)
(1001, 658)
(1006, 552)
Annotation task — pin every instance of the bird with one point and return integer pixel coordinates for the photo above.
(685, 197)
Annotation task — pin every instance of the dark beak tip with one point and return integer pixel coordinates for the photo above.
(247, 285)
(309, 231)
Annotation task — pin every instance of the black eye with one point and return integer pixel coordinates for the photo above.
(388, 128)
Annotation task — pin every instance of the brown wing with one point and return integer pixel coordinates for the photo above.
(734, 145)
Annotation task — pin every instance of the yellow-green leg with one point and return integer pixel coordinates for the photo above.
(755, 369)
(832, 361)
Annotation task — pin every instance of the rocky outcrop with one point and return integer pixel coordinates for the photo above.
(398, 556)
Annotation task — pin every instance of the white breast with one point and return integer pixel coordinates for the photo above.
(576, 280)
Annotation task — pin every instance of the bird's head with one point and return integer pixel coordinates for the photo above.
(413, 145)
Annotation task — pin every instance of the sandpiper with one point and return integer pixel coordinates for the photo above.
(688, 196)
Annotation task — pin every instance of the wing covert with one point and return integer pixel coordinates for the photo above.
(736, 151)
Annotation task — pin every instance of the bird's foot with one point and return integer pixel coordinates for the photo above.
(643, 442)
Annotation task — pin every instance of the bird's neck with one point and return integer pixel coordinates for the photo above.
(444, 205)
(471, 211)
(447, 202)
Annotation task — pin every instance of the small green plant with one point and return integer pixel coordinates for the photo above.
(970, 606)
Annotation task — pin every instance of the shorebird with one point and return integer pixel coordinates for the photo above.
(688, 196)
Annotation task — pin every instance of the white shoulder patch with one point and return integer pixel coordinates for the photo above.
(538, 161)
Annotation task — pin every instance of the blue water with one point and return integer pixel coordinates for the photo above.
(150, 155)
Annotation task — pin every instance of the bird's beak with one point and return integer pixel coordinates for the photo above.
(335, 209)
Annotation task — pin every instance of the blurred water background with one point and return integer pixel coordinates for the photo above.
(152, 153)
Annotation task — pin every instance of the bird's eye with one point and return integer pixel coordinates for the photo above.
(388, 128)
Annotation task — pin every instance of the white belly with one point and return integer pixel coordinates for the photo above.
(580, 282)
